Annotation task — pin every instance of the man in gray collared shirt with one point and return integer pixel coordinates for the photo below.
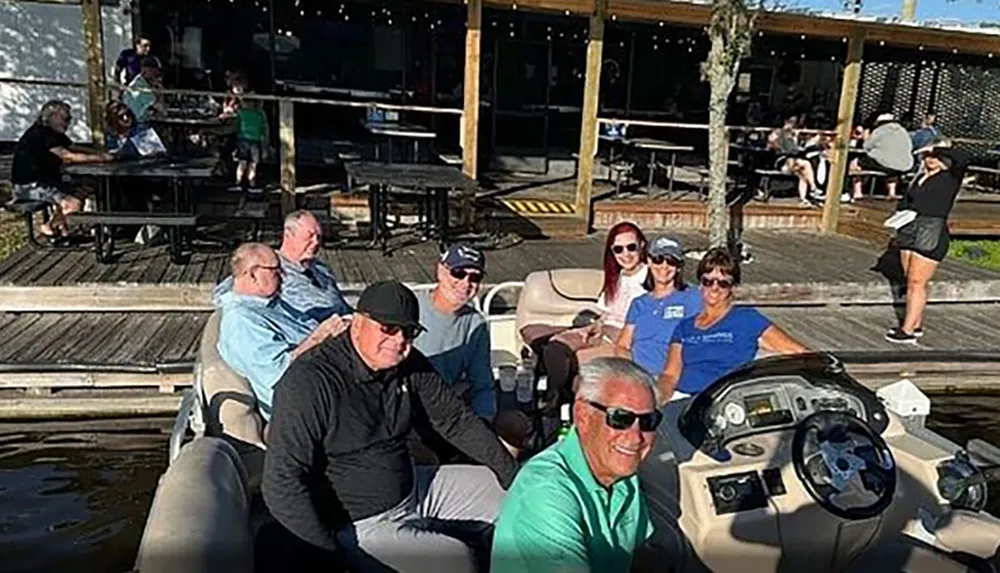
(308, 286)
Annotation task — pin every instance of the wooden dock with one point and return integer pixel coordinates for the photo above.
(88, 339)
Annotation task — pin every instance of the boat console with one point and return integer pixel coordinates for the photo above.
(789, 464)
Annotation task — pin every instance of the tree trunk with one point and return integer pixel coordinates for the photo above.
(721, 83)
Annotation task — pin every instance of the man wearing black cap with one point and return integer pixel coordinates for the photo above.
(338, 474)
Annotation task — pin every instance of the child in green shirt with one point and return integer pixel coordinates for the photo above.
(250, 142)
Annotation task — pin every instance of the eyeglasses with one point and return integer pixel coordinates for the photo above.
(622, 419)
(409, 332)
(619, 249)
(461, 274)
(658, 260)
(721, 283)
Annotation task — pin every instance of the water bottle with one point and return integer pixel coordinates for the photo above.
(565, 424)
(507, 375)
(525, 385)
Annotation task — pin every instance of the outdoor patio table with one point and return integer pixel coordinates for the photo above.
(399, 130)
(437, 181)
(178, 171)
(653, 146)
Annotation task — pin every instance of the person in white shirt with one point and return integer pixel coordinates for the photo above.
(625, 273)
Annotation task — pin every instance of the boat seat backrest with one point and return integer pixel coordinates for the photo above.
(230, 404)
(555, 298)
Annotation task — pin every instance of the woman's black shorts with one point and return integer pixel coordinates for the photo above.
(926, 236)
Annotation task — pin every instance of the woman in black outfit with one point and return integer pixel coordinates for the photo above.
(923, 243)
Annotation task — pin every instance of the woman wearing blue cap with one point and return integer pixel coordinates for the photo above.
(652, 317)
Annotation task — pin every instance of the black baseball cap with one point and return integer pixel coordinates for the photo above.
(391, 303)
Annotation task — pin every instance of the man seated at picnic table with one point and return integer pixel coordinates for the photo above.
(337, 473)
(145, 104)
(40, 153)
(259, 336)
(308, 286)
(888, 149)
(577, 506)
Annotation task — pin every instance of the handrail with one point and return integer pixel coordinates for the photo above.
(292, 99)
(488, 299)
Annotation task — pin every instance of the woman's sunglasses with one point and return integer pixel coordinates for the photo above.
(659, 260)
(622, 419)
(619, 249)
(460, 274)
(721, 283)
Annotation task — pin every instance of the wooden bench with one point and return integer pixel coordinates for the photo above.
(104, 223)
(453, 159)
(27, 210)
(255, 211)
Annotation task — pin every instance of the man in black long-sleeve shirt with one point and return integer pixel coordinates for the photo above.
(338, 473)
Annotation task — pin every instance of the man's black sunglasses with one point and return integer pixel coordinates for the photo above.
(460, 274)
(622, 419)
(619, 249)
(409, 332)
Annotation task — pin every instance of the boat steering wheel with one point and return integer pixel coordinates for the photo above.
(845, 466)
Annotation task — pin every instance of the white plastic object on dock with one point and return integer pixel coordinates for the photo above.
(906, 400)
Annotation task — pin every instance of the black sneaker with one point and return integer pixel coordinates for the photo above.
(897, 336)
(917, 333)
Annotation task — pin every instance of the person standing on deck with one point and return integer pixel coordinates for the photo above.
(129, 62)
(309, 286)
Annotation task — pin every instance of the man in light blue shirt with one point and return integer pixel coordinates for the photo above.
(457, 340)
(259, 335)
(308, 287)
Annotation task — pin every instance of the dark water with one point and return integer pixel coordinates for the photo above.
(78, 501)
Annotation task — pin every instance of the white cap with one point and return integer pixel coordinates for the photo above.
(885, 117)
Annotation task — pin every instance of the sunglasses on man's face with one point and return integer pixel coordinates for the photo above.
(619, 249)
(721, 283)
(409, 332)
(461, 274)
(622, 419)
(658, 260)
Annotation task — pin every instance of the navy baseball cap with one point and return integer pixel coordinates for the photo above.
(464, 256)
(664, 246)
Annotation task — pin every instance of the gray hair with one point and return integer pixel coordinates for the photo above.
(245, 256)
(293, 219)
(51, 108)
(593, 374)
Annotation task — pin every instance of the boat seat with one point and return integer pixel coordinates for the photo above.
(551, 300)
(199, 521)
(230, 407)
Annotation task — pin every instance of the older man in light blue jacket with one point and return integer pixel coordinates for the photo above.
(259, 334)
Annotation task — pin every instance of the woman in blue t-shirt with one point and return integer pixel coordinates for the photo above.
(652, 317)
(720, 338)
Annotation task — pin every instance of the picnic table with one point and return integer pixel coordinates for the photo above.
(654, 146)
(177, 170)
(437, 182)
(399, 130)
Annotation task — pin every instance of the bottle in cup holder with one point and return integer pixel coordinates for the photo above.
(525, 385)
(507, 375)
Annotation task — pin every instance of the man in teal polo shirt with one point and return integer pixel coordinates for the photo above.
(577, 506)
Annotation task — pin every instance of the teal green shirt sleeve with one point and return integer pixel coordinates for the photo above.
(545, 535)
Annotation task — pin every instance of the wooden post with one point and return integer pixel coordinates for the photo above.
(470, 112)
(845, 120)
(591, 100)
(286, 134)
(93, 38)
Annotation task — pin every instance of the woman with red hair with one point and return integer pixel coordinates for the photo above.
(624, 277)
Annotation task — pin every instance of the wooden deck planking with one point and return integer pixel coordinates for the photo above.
(182, 336)
(951, 327)
(13, 347)
(48, 337)
(101, 332)
(779, 258)
(69, 343)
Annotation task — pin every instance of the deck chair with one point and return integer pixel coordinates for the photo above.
(229, 404)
